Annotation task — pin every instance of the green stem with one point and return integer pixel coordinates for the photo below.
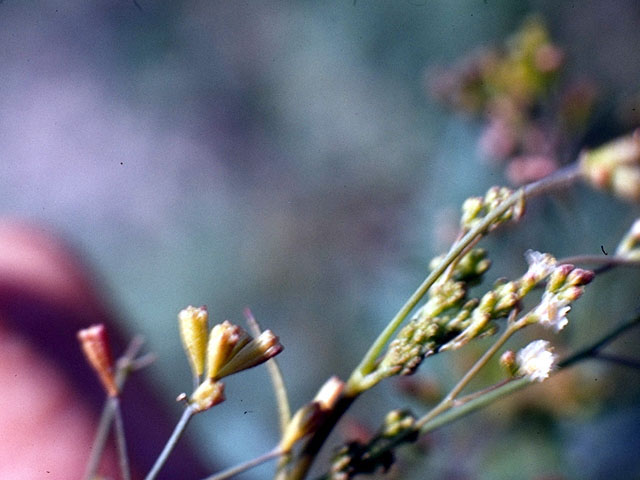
(172, 442)
(463, 408)
(277, 380)
(448, 401)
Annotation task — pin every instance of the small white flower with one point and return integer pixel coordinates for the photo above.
(552, 312)
(535, 360)
(540, 264)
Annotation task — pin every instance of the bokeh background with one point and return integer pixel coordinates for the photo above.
(288, 157)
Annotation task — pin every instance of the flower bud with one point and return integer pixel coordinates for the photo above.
(305, 421)
(95, 346)
(307, 418)
(192, 323)
(252, 353)
(329, 393)
(558, 277)
(471, 208)
(508, 362)
(579, 277)
(397, 422)
(224, 341)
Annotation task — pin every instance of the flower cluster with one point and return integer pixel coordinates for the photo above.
(448, 320)
(564, 285)
(615, 166)
(475, 209)
(226, 350)
(356, 458)
(510, 87)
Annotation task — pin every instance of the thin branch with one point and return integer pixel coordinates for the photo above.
(100, 440)
(230, 472)
(277, 380)
(187, 414)
(604, 263)
(124, 366)
(121, 442)
(618, 360)
(593, 349)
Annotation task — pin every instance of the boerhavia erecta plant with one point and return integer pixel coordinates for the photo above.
(505, 87)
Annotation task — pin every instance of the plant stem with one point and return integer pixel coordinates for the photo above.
(594, 348)
(277, 380)
(448, 401)
(605, 263)
(618, 360)
(474, 403)
(120, 441)
(600, 260)
(230, 472)
(100, 440)
(189, 411)
(124, 366)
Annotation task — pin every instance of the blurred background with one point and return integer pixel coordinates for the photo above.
(292, 158)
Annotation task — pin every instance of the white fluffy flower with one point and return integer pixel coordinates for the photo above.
(552, 312)
(535, 360)
(540, 265)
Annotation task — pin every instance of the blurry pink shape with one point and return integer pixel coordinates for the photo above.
(529, 168)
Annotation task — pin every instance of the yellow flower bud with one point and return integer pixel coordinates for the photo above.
(225, 341)
(192, 322)
(252, 353)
